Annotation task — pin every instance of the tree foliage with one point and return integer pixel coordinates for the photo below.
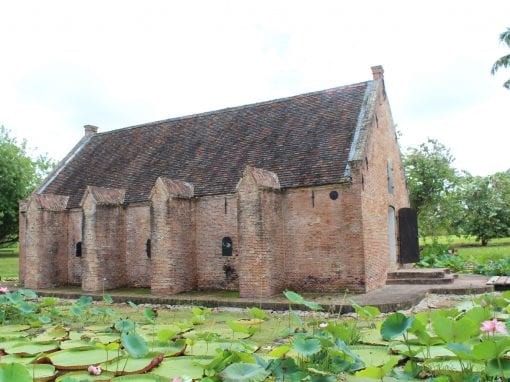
(486, 206)
(19, 175)
(503, 62)
(432, 182)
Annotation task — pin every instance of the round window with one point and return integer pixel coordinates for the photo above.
(333, 195)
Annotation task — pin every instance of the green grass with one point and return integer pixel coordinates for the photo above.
(456, 241)
(9, 262)
(483, 254)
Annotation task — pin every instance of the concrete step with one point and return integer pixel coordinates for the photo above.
(430, 273)
(446, 279)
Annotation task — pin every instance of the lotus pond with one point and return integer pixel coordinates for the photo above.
(47, 339)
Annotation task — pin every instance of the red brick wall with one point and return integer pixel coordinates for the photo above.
(173, 260)
(212, 224)
(382, 145)
(44, 253)
(260, 232)
(74, 234)
(104, 251)
(138, 265)
(323, 241)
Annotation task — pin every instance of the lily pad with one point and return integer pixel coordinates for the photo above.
(180, 366)
(14, 372)
(15, 358)
(127, 365)
(53, 334)
(244, 371)
(77, 344)
(170, 349)
(423, 353)
(372, 355)
(202, 348)
(42, 372)
(12, 328)
(222, 330)
(84, 376)
(446, 367)
(142, 378)
(73, 359)
(31, 348)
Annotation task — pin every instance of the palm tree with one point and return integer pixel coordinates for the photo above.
(503, 62)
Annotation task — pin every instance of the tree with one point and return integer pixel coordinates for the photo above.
(432, 184)
(19, 175)
(486, 202)
(503, 62)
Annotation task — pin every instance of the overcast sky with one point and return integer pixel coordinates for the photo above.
(114, 64)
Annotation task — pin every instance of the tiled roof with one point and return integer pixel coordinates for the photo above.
(304, 140)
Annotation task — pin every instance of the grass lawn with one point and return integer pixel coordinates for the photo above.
(9, 262)
(456, 241)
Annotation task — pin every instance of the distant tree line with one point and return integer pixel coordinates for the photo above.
(20, 173)
(453, 202)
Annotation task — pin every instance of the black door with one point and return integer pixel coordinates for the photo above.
(408, 236)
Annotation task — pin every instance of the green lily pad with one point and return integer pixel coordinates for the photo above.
(14, 372)
(127, 365)
(372, 337)
(449, 366)
(222, 330)
(77, 344)
(12, 328)
(31, 348)
(142, 378)
(42, 372)
(422, 352)
(15, 358)
(245, 372)
(202, 348)
(52, 334)
(180, 366)
(84, 376)
(372, 355)
(170, 349)
(74, 359)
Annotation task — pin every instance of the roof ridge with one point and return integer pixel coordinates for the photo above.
(230, 109)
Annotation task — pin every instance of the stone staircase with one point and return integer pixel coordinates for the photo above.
(421, 276)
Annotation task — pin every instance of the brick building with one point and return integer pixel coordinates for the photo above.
(300, 193)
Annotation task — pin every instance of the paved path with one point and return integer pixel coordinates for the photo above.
(388, 298)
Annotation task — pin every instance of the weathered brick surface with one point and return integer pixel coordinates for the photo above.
(381, 146)
(44, 256)
(323, 239)
(260, 234)
(138, 231)
(216, 218)
(172, 238)
(104, 245)
(74, 236)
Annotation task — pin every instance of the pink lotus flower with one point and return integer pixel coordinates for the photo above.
(323, 325)
(176, 379)
(494, 326)
(4, 290)
(94, 370)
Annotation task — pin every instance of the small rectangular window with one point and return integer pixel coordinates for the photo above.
(77, 249)
(390, 177)
(148, 248)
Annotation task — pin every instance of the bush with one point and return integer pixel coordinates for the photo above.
(437, 255)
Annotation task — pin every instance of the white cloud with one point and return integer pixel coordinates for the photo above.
(119, 63)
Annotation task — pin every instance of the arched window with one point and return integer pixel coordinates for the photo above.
(226, 246)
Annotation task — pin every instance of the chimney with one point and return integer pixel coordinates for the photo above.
(377, 72)
(90, 130)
